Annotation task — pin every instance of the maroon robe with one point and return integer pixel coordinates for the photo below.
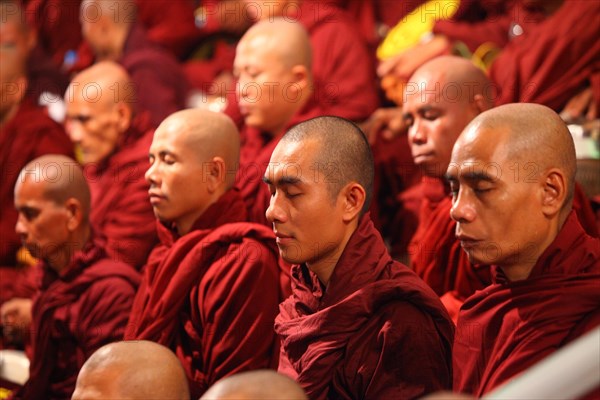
(509, 326)
(74, 314)
(161, 87)
(28, 135)
(553, 62)
(120, 207)
(212, 295)
(376, 331)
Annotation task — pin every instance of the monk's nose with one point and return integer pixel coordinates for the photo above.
(462, 209)
(275, 212)
(417, 134)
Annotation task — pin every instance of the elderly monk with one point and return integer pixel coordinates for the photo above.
(512, 177)
(26, 132)
(135, 370)
(112, 140)
(260, 384)
(110, 27)
(84, 297)
(354, 312)
(274, 90)
(211, 288)
(443, 96)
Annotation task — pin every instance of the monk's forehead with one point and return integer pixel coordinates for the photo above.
(295, 158)
(481, 145)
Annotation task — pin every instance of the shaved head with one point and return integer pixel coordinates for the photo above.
(12, 12)
(61, 177)
(287, 40)
(453, 79)
(105, 82)
(532, 133)
(344, 153)
(209, 134)
(260, 384)
(132, 370)
(120, 12)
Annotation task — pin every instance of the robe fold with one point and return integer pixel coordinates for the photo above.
(120, 207)
(552, 63)
(160, 84)
(74, 314)
(212, 295)
(509, 326)
(28, 135)
(375, 331)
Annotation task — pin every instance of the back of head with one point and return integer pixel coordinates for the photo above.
(132, 370)
(344, 152)
(62, 178)
(259, 384)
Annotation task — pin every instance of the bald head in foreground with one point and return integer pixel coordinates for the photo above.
(261, 384)
(132, 370)
(212, 286)
(512, 177)
(348, 320)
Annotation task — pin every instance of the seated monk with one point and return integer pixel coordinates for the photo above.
(443, 96)
(110, 28)
(358, 324)
(512, 179)
(273, 68)
(84, 297)
(133, 370)
(26, 132)
(112, 141)
(211, 288)
(260, 384)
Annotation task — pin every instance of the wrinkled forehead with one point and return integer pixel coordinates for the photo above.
(480, 150)
(293, 160)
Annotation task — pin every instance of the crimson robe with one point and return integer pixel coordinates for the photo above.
(212, 295)
(509, 326)
(161, 87)
(553, 62)
(74, 314)
(438, 258)
(28, 135)
(255, 154)
(375, 331)
(120, 207)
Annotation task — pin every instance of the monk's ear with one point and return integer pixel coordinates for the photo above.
(301, 76)
(124, 115)
(554, 191)
(480, 104)
(353, 197)
(74, 214)
(215, 173)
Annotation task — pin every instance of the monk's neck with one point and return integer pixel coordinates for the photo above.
(326, 262)
(61, 260)
(8, 115)
(117, 44)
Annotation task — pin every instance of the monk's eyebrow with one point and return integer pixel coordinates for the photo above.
(478, 176)
(284, 180)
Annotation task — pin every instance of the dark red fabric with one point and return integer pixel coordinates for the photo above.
(509, 326)
(159, 80)
(435, 254)
(553, 62)
(255, 155)
(121, 210)
(376, 331)
(73, 315)
(583, 207)
(46, 82)
(28, 135)
(212, 295)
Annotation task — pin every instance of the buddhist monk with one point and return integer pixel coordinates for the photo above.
(26, 132)
(358, 324)
(512, 179)
(211, 288)
(112, 140)
(84, 297)
(260, 384)
(110, 28)
(344, 75)
(274, 91)
(136, 370)
(442, 97)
